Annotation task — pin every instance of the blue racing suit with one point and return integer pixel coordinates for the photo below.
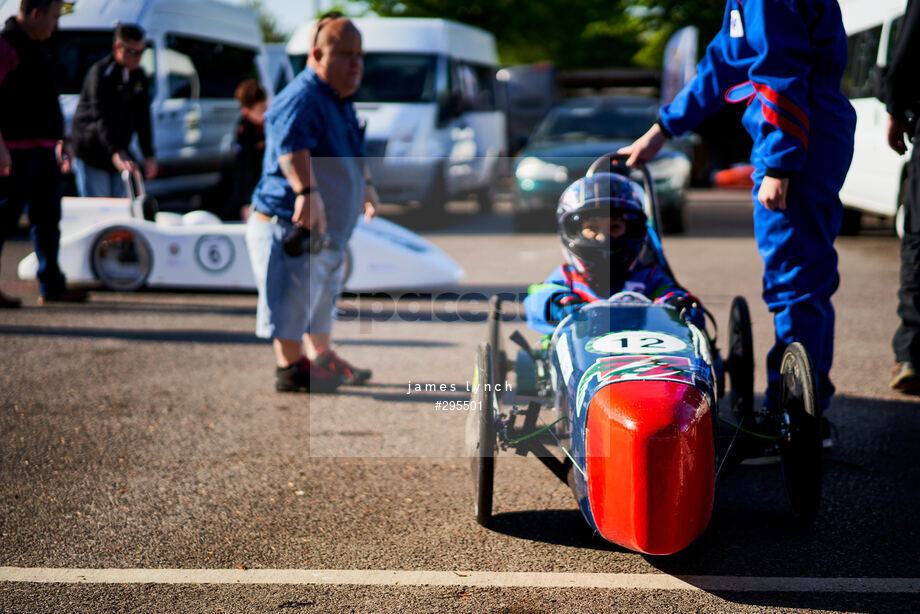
(565, 289)
(785, 59)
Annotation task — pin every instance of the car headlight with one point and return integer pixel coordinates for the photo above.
(672, 170)
(534, 169)
(399, 147)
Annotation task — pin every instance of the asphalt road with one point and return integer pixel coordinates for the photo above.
(142, 431)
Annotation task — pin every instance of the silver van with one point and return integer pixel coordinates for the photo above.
(428, 99)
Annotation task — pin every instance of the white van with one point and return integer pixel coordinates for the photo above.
(198, 52)
(428, 98)
(280, 71)
(875, 183)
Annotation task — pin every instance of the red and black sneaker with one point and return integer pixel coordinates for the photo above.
(350, 374)
(305, 377)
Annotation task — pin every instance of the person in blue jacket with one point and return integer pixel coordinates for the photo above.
(603, 229)
(784, 59)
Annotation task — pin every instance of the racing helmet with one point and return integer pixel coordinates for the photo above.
(602, 227)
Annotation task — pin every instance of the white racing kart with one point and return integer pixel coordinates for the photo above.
(126, 244)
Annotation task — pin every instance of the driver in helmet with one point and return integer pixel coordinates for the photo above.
(603, 228)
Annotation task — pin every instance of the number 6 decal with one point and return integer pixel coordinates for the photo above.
(214, 253)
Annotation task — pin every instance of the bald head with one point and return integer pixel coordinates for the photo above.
(331, 29)
(337, 56)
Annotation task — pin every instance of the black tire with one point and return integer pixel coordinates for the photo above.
(801, 451)
(433, 207)
(739, 362)
(499, 358)
(852, 222)
(121, 258)
(672, 220)
(538, 220)
(485, 198)
(481, 438)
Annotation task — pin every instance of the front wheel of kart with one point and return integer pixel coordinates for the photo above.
(739, 363)
(121, 258)
(481, 435)
(499, 357)
(672, 220)
(801, 448)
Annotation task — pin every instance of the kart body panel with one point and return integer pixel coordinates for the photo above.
(636, 382)
(197, 250)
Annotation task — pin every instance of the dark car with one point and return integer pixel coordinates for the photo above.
(576, 132)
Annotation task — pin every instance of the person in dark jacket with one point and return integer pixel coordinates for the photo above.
(901, 94)
(114, 104)
(249, 148)
(33, 151)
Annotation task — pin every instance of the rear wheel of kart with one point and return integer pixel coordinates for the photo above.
(739, 364)
(121, 258)
(801, 449)
(672, 220)
(534, 220)
(851, 223)
(485, 198)
(433, 207)
(525, 221)
(481, 436)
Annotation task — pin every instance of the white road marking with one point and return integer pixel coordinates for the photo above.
(652, 581)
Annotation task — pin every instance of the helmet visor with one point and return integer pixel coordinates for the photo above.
(602, 226)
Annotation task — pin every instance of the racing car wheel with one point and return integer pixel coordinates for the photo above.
(499, 357)
(739, 363)
(121, 258)
(481, 436)
(801, 450)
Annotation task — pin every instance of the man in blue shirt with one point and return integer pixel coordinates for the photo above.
(784, 60)
(314, 176)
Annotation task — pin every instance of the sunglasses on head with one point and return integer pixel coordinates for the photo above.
(324, 19)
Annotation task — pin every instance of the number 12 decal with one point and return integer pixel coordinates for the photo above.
(636, 342)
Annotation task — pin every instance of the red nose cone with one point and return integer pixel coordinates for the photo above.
(650, 464)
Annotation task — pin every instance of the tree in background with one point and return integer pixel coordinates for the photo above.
(662, 18)
(570, 33)
(271, 32)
